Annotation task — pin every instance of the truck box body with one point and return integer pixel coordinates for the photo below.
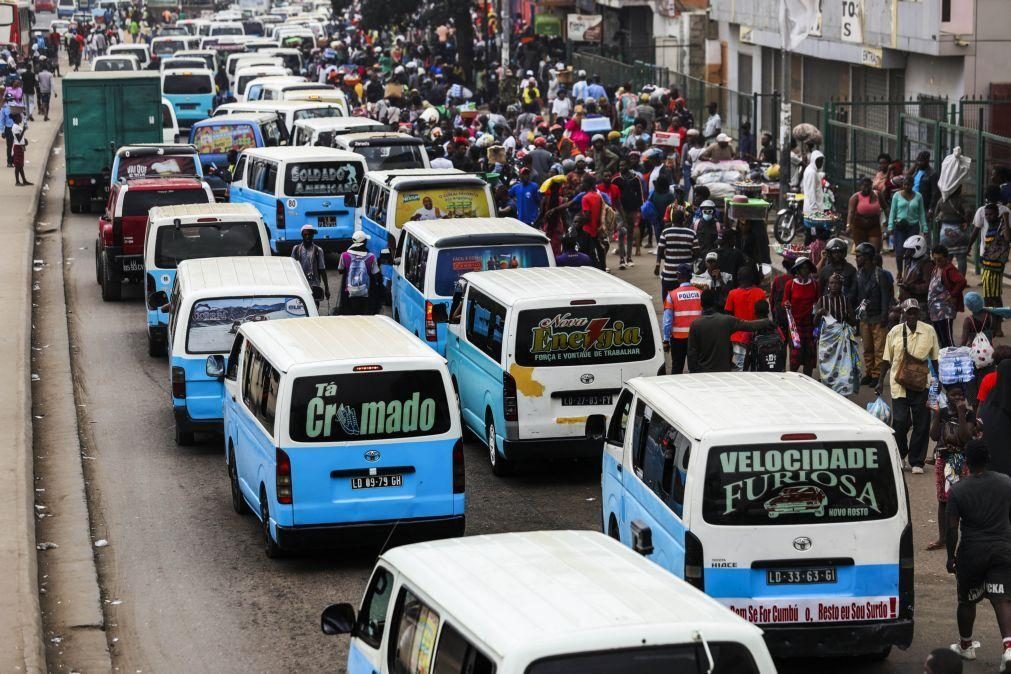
(101, 112)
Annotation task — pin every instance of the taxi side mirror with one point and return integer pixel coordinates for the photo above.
(215, 366)
(157, 300)
(337, 619)
(439, 313)
(642, 538)
(595, 427)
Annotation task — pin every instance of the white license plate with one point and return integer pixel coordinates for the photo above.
(133, 265)
(326, 221)
(377, 481)
(583, 400)
(801, 576)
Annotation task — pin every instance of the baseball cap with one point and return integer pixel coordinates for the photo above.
(357, 237)
(723, 138)
(308, 228)
(684, 269)
(910, 304)
(712, 257)
(597, 137)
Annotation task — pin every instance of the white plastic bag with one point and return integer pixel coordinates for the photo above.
(879, 408)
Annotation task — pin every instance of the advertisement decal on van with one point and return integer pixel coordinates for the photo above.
(597, 335)
(368, 406)
(799, 484)
(332, 178)
(441, 202)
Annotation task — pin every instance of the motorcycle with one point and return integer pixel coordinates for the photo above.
(789, 218)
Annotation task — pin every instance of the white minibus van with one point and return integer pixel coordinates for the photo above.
(778, 497)
(543, 602)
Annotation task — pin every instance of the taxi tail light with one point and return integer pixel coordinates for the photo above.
(906, 592)
(694, 562)
(431, 332)
(283, 475)
(509, 397)
(280, 214)
(178, 382)
(459, 479)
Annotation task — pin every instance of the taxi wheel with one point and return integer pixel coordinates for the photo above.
(112, 286)
(155, 347)
(612, 529)
(238, 501)
(184, 438)
(270, 548)
(500, 466)
(98, 263)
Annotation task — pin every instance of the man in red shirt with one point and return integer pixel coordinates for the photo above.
(741, 304)
(592, 205)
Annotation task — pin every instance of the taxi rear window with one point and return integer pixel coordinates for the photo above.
(799, 483)
(187, 84)
(139, 202)
(334, 178)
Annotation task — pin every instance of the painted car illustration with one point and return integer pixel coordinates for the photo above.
(797, 500)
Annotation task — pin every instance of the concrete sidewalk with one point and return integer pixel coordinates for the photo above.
(21, 642)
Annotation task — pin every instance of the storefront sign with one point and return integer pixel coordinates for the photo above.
(871, 57)
(547, 24)
(852, 21)
(585, 27)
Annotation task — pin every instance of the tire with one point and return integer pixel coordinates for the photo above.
(112, 285)
(786, 227)
(612, 528)
(75, 205)
(98, 262)
(155, 347)
(270, 547)
(185, 438)
(878, 656)
(500, 466)
(238, 500)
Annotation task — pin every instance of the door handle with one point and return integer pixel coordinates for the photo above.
(620, 469)
(233, 400)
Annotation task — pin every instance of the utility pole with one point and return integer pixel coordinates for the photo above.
(785, 126)
(505, 12)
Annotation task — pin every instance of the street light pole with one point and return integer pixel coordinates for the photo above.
(785, 126)
(505, 11)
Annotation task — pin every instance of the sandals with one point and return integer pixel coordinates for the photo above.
(936, 545)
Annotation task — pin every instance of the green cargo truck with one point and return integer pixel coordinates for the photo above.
(102, 111)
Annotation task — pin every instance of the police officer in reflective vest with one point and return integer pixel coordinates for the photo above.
(681, 307)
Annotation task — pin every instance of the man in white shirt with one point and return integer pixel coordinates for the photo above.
(580, 87)
(428, 211)
(714, 124)
(561, 106)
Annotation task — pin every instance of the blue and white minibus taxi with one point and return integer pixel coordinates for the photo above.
(540, 602)
(535, 353)
(391, 198)
(189, 232)
(210, 300)
(434, 254)
(296, 186)
(341, 430)
(191, 93)
(778, 497)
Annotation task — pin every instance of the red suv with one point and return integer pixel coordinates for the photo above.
(119, 249)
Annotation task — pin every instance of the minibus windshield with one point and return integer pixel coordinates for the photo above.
(114, 65)
(317, 113)
(155, 166)
(360, 406)
(139, 202)
(221, 239)
(323, 178)
(595, 334)
(799, 483)
(214, 322)
(187, 84)
(453, 263)
(390, 157)
(728, 658)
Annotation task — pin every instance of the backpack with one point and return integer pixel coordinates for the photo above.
(767, 352)
(357, 274)
(608, 218)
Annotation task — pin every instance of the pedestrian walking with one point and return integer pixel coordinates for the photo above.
(907, 217)
(45, 88)
(681, 307)
(313, 262)
(800, 295)
(908, 348)
(874, 298)
(20, 143)
(979, 549)
(676, 246)
(995, 417)
(952, 426)
(361, 279)
(864, 215)
(944, 295)
(6, 125)
(994, 231)
(709, 347)
(741, 304)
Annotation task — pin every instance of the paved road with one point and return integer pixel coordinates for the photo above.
(197, 592)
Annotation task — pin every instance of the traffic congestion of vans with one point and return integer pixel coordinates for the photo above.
(726, 539)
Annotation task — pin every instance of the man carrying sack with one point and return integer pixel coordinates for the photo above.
(911, 349)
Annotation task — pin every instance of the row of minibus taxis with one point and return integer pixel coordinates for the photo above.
(344, 430)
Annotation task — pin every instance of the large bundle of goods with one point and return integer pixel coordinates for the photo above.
(720, 176)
